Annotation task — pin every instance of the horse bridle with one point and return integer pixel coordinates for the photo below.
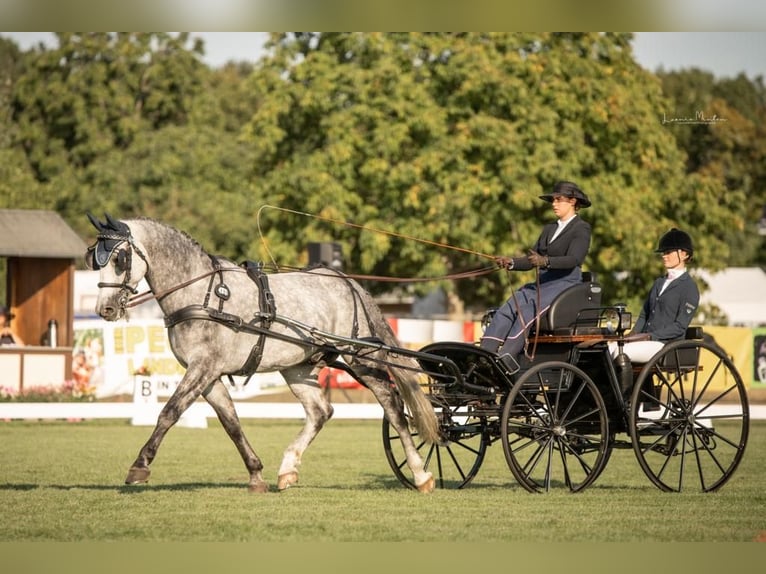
(98, 256)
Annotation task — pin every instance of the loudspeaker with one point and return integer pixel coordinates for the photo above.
(325, 253)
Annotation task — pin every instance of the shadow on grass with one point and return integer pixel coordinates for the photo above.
(392, 483)
(21, 486)
(128, 489)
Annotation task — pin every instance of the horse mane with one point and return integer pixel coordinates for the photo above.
(183, 235)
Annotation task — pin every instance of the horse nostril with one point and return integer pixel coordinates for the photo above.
(106, 312)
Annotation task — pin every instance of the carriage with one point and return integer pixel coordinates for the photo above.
(559, 413)
(566, 407)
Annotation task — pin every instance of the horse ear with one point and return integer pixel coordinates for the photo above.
(94, 220)
(117, 225)
(113, 223)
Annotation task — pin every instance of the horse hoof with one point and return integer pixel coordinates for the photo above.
(137, 475)
(428, 486)
(258, 487)
(287, 480)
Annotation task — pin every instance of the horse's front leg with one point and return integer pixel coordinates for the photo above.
(220, 399)
(393, 409)
(318, 409)
(188, 390)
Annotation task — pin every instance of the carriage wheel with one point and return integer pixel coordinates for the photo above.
(453, 463)
(689, 417)
(554, 428)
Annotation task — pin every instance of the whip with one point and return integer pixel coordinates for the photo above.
(362, 227)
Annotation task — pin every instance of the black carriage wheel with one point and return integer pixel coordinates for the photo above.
(555, 429)
(689, 417)
(453, 463)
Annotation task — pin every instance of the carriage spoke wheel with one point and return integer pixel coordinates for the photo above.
(554, 428)
(454, 462)
(689, 417)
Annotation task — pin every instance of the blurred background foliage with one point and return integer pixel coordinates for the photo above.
(445, 137)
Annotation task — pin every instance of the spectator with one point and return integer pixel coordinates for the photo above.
(7, 334)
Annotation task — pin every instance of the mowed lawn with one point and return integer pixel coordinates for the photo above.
(63, 481)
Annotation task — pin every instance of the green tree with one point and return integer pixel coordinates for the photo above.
(452, 137)
(131, 124)
(95, 91)
(731, 151)
(18, 187)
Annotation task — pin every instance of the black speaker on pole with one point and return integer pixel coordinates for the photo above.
(326, 253)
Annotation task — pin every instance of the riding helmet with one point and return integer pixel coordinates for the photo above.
(675, 239)
(568, 189)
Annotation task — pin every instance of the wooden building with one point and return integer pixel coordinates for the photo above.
(40, 251)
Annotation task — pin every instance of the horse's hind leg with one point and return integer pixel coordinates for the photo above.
(303, 384)
(393, 409)
(219, 398)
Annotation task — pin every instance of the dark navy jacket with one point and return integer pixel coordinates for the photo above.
(665, 317)
(565, 255)
(565, 258)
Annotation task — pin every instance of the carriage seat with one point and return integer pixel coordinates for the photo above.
(568, 310)
(687, 358)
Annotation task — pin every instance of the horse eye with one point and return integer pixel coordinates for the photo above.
(121, 262)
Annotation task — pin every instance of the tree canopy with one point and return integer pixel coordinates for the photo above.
(443, 140)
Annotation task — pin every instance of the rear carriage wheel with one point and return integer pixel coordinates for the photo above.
(555, 429)
(453, 463)
(689, 417)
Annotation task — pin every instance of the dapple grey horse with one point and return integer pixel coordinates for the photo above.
(223, 320)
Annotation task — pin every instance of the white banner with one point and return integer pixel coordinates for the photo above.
(116, 357)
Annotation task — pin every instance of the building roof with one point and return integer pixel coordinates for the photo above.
(38, 233)
(739, 293)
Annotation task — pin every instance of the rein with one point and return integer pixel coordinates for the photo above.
(140, 298)
(149, 295)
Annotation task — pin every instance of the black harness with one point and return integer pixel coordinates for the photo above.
(114, 233)
(260, 323)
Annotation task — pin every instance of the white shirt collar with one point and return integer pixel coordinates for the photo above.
(672, 275)
(560, 225)
(675, 273)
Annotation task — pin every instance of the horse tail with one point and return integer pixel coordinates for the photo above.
(405, 377)
(416, 400)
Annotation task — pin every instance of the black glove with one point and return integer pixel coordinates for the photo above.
(537, 260)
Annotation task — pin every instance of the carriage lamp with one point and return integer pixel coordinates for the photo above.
(617, 319)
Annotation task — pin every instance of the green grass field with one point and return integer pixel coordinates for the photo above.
(63, 482)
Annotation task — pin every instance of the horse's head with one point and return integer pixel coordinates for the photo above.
(121, 263)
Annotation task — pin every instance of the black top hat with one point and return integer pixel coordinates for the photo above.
(568, 189)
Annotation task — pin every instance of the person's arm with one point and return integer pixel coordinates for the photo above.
(640, 323)
(8, 333)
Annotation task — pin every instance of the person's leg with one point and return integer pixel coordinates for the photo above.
(513, 342)
(501, 324)
(638, 351)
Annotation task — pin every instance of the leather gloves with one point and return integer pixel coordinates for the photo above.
(537, 260)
